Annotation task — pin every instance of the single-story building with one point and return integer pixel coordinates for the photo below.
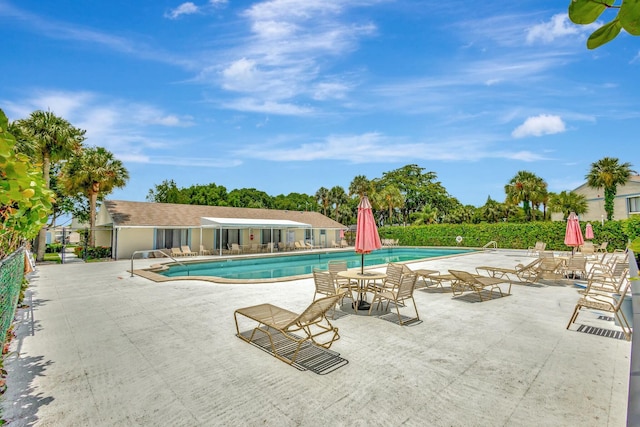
(625, 204)
(127, 227)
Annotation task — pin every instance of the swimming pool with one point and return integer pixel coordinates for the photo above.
(283, 266)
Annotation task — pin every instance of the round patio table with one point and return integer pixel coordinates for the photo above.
(362, 279)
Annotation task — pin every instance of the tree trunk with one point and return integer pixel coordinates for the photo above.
(41, 244)
(93, 201)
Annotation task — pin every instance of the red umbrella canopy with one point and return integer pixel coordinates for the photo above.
(367, 238)
(588, 231)
(573, 234)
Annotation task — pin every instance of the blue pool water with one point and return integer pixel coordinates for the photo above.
(272, 267)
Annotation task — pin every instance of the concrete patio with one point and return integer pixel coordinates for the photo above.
(97, 347)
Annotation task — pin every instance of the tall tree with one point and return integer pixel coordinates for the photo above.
(359, 186)
(322, 196)
(389, 199)
(608, 173)
(491, 211)
(567, 202)
(417, 187)
(167, 192)
(95, 172)
(538, 195)
(523, 187)
(428, 215)
(48, 139)
(337, 197)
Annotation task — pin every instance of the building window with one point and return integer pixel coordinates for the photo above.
(167, 238)
(634, 204)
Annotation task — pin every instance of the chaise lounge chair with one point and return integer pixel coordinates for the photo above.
(477, 283)
(537, 249)
(605, 302)
(310, 324)
(524, 273)
(186, 251)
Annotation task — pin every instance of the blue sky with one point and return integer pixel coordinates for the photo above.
(289, 95)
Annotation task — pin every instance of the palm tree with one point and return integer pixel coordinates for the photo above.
(95, 173)
(428, 215)
(48, 139)
(322, 196)
(608, 173)
(359, 186)
(389, 198)
(337, 197)
(523, 187)
(538, 196)
(491, 211)
(567, 202)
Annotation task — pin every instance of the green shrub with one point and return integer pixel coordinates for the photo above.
(53, 248)
(98, 252)
(510, 235)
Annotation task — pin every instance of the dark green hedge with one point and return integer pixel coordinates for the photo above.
(511, 235)
(98, 252)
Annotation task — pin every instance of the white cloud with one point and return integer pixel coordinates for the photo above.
(543, 124)
(270, 107)
(127, 129)
(187, 8)
(557, 27)
(375, 147)
(291, 42)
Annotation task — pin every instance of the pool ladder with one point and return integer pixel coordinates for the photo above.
(156, 251)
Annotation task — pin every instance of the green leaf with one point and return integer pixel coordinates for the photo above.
(629, 16)
(585, 11)
(604, 34)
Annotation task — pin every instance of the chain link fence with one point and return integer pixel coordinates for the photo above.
(11, 275)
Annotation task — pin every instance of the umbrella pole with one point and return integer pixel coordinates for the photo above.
(362, 264)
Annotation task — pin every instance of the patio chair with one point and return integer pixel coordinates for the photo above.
(524, 273)
(575, 267)
(402, 292)
(235, 248)
(326, 286)
(334, 244)
(336, 266)
(394, 273)
(204, 251)
(477, 283)
(548, 266)
(186, 251)
(175, 252)
(535, 250)
(307, 326)
(602, 247)
(608, 281)
(343, 243)
(607, 303)
(587, 249)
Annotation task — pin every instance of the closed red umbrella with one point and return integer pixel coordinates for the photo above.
(367, 238)
(588, 232)
(573, 234)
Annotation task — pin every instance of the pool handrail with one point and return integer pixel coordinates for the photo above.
(154, 251)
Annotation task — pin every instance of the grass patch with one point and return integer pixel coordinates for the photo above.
(52, 257)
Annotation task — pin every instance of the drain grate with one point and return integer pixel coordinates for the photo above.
(601, 332)
(607, 318)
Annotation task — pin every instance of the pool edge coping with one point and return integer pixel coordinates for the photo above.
(150, 274)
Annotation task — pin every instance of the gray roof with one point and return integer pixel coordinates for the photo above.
(146, 214)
